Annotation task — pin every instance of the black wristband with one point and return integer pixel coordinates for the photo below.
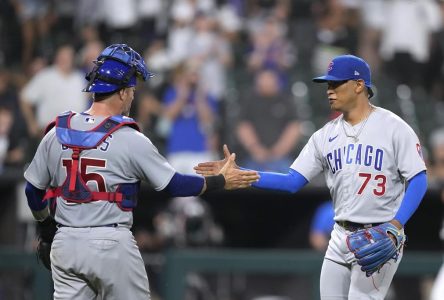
(215, 182)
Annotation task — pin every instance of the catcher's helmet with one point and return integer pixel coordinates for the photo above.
(117, 67)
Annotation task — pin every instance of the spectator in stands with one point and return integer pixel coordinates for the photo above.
(148, 109)
(335, 33)
(435, 67)
(180, 32)
(406, 29)
(189, 119)
(88, 14)
(268, 129)
(15, 133)
(321, 226)
(120, 19)
(88, 53)
(270, 49)
(211, 52)
(157, 57)
(6, 120)
(33, 15)
(10, 45)
(151, 14)
(229, 26)
(51, 91)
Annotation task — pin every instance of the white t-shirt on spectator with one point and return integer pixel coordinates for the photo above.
(52, 92)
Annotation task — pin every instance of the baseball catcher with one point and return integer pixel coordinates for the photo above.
(375, 246)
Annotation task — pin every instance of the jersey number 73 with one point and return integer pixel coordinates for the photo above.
(380, 179)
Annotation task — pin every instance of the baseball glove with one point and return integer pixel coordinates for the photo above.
(375, 246)
(46, 231)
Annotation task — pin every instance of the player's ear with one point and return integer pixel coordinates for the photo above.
(122, 93)
(360, 86)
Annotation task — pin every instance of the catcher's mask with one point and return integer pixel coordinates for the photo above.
(117, 67)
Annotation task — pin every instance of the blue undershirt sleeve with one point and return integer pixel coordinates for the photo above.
(184, 185)
(413, 196)
(291, 182)
(35, 197)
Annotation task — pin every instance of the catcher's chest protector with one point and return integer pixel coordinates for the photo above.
(74, 188)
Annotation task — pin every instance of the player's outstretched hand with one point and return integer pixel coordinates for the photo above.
(212, 168)
(236, 178)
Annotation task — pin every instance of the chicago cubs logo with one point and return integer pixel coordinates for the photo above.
(330, 66)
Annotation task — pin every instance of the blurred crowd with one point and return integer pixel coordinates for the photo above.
(232, 71)
(235, 72)
(226, 71)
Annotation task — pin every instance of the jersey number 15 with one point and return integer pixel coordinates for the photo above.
(91, 176)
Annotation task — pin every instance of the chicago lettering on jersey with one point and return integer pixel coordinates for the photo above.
(358, 154)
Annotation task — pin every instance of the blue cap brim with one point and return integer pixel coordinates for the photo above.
(326, 78)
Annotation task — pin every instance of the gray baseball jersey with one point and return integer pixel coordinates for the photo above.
(367, 177)
(126, 156)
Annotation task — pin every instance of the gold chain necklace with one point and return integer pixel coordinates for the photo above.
(356, 135)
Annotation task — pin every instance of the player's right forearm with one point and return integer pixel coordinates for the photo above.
(291, 182)
(39, 208)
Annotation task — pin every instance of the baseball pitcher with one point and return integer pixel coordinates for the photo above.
(373, 166)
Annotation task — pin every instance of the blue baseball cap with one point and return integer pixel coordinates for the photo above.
(348, 67)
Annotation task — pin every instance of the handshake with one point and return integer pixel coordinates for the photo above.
(235, 177)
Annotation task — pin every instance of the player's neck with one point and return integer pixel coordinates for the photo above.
(102, 109)
(358, 113)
